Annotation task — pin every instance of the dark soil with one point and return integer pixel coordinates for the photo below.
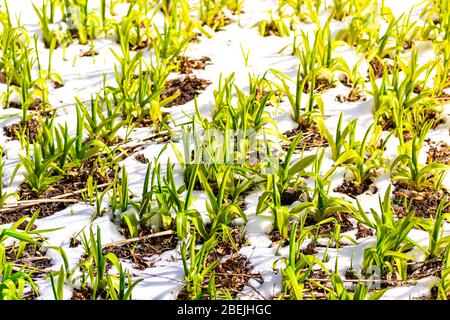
(30, 128)
(407, 44)
(219, 19)
(188, 87)
(418, 89)
(271, 30)
(320, 86)
(275, 237)
(353, 96)
(195, 37)
(141, 158)
(290, 195)
(425, 269)
(74, 242)
(232, 274)
(47, 209)
(141, 45)
(388, 124)
(146, 121)
(141, 252)
(439, 152)
(30, 295)
(326, 228)
(75, 180)
(36, 105)
(24, 225)
(407, 136)
(188, 64)
(378, 68)
(84, 293)
(423, 202)
(363, 232)
(33, 256)
(353, 189)
(88, 53)
(310, 249)
(343, 218)
(3, 77)
(261, 94)
(350, 274)
(313, 289)
(158, 136)
(311, 137)
(444, 98)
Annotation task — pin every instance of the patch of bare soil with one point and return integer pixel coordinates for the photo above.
(3, 77)
(85, 293)
(195, 37)
(146, 121)
(407, 44)
(312, 289)
(74, 242)
(24, 225)
(30, 295)
(350, 274)
(188, 64)
(311, 137)
(30, 130)
(343, 218)
(74, 180)
(444, 98)
(159, 136)
(435, 116)
(388, 124)
(88, 53)
(261, 94)
(142, 252)
(424, 202)
(378, 68)
(310, 249)
(33, 256)
(434, 295)
(425, 269)
(271, 30)
(188, 88)
(320, 85)
(220, 19)
(141, 158)
(363, 232)
(290, 195)
(353, 189)
(275, 237)
(141, 45)
(352, 96)
(233, 273)
(438, 152)
(36, 105)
